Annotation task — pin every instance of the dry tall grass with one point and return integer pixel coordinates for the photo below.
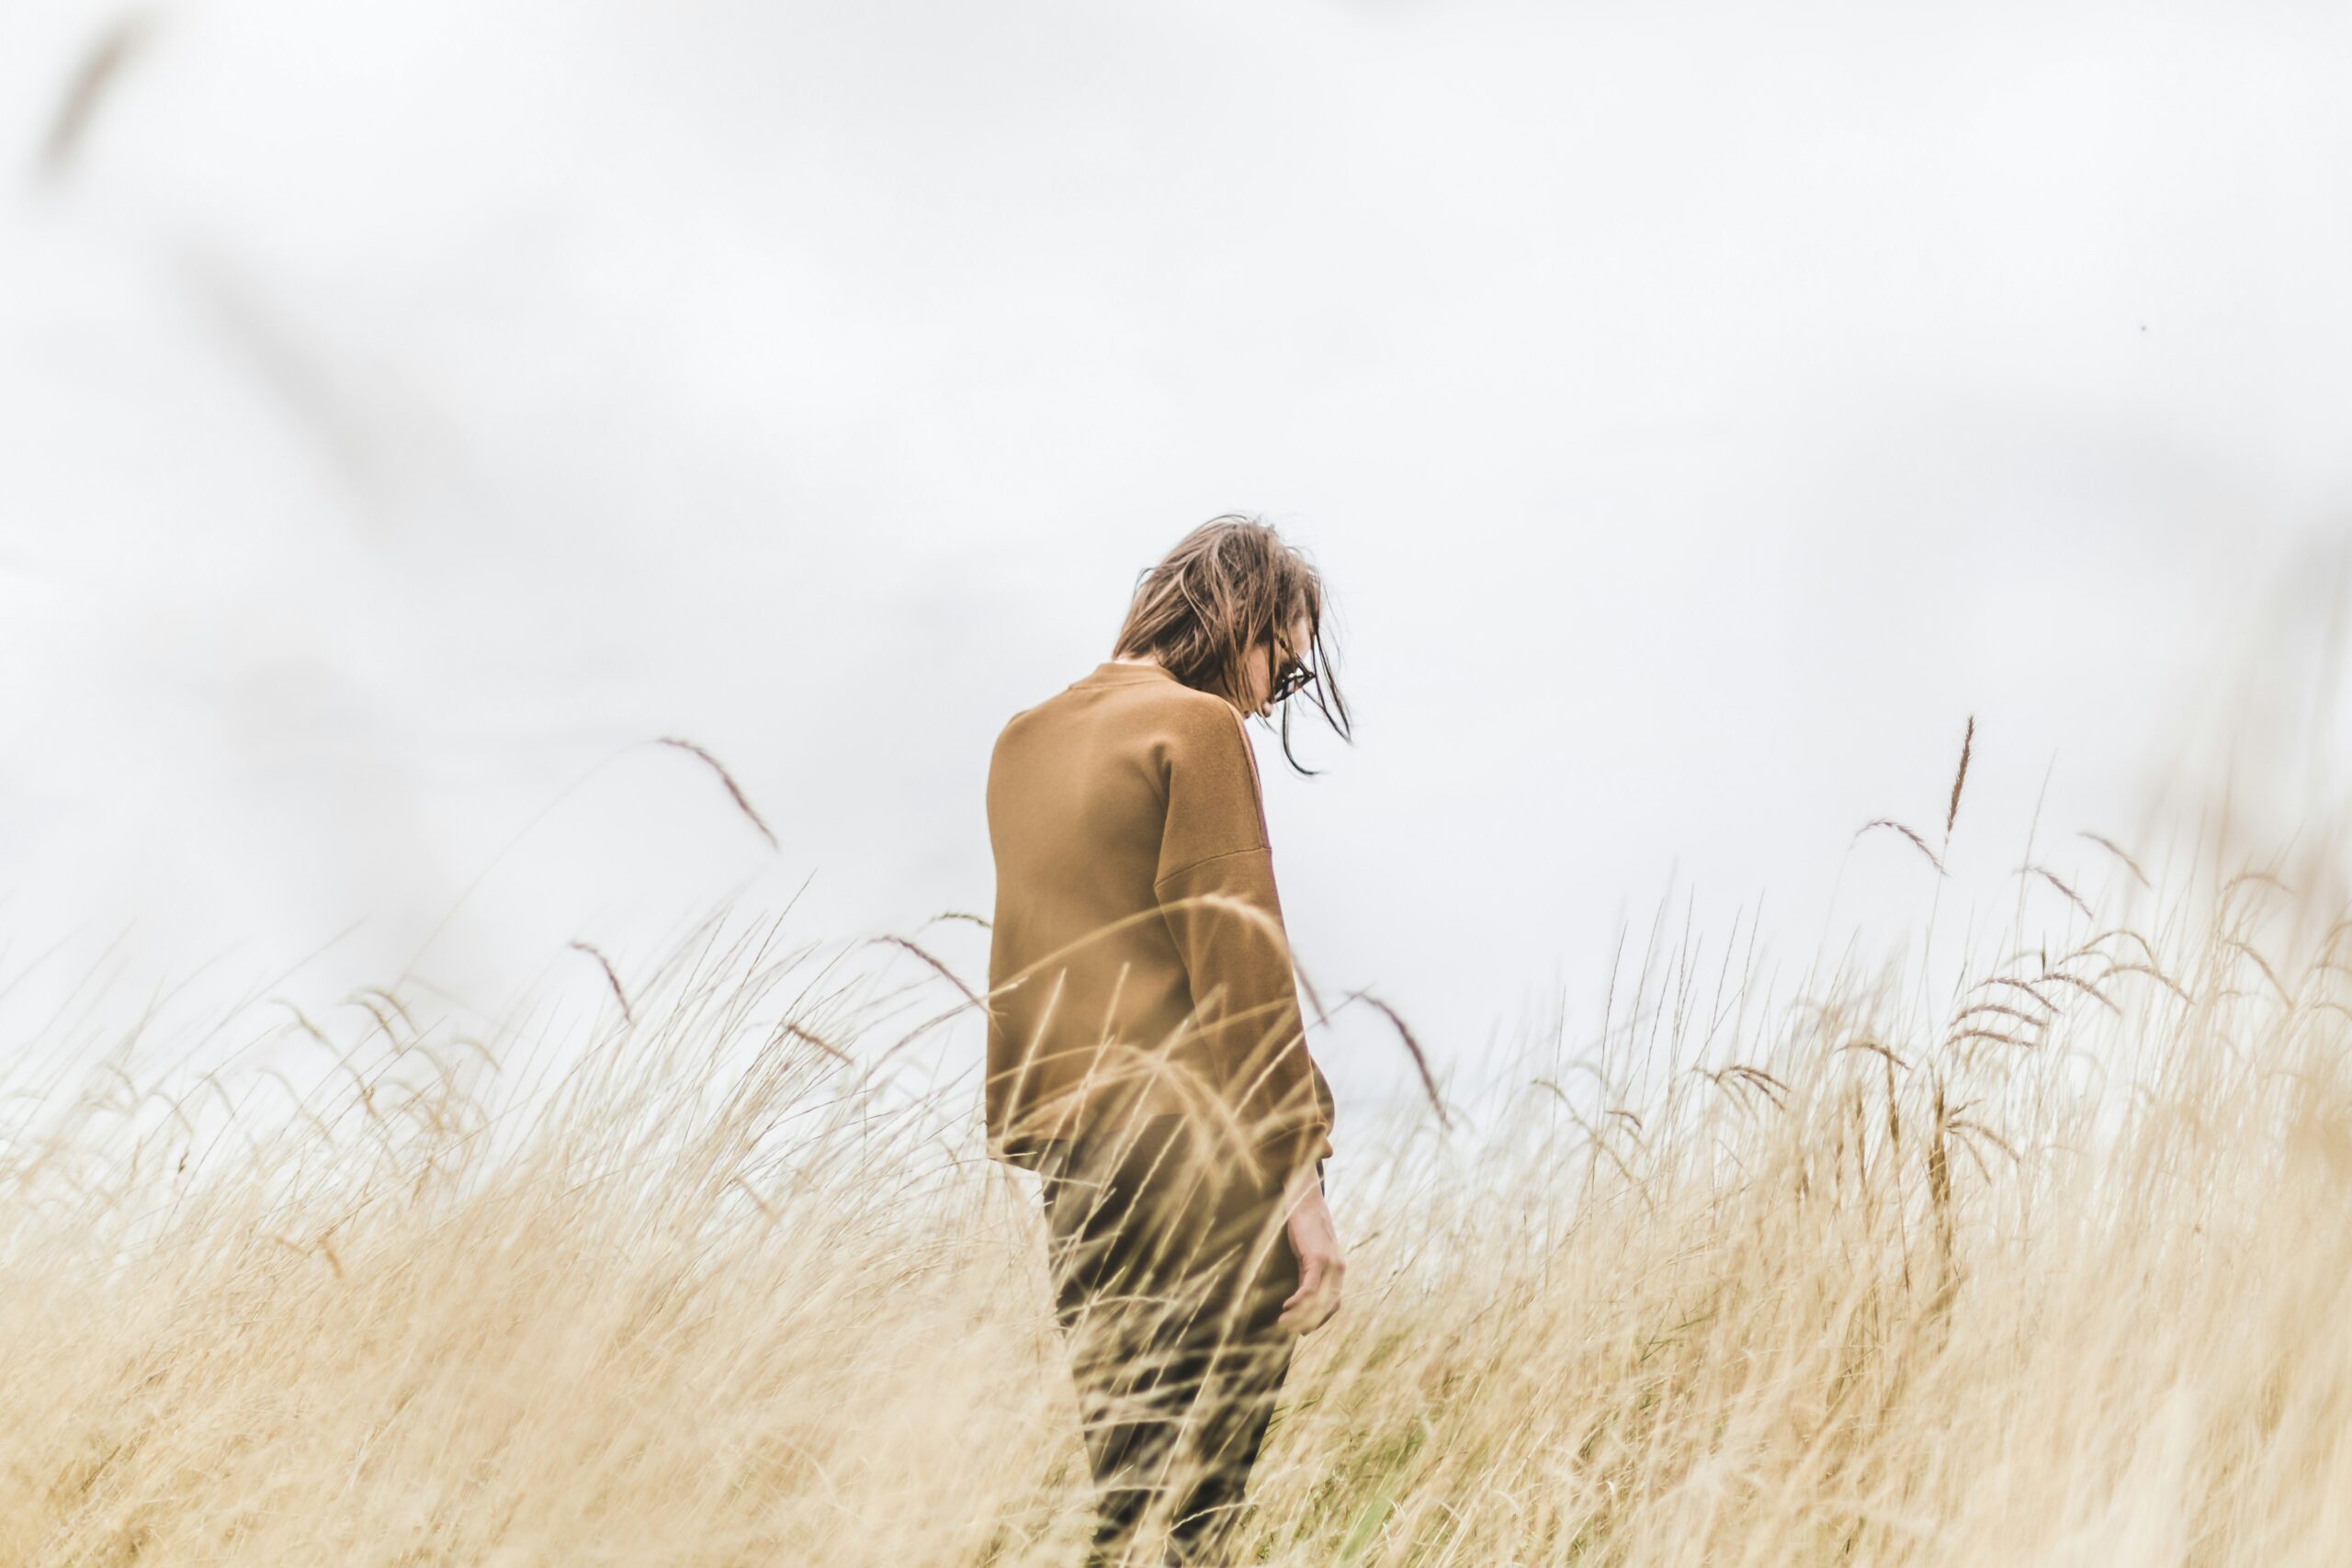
(2055, 1270)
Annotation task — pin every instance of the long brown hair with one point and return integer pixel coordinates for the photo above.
(1230, 583)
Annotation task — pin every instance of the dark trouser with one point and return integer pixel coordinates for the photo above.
(1168, 1270)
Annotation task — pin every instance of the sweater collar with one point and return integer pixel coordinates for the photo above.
(1111, 672)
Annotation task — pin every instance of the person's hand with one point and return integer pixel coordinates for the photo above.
(1320, 1267)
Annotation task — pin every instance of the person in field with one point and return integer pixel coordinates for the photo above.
(1147, 1056)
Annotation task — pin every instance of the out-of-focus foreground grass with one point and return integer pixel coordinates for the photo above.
(2052, 1265)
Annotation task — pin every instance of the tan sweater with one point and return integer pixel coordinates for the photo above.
(1111, 805)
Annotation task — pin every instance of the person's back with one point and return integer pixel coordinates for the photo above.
(1131, 854)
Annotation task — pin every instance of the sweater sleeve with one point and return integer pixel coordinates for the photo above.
(1216, 890)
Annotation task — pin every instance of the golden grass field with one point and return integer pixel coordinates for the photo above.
(2049, 1265)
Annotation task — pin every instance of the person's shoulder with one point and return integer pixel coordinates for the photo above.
(1186, 714)
(1041, 717)
(1163, 710)
(1198, 732)
(1009, 733)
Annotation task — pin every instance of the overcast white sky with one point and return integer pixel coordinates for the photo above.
(1698, 411)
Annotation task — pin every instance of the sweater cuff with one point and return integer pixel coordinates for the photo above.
(1295, 1149)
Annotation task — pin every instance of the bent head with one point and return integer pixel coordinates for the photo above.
(1235, 610)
